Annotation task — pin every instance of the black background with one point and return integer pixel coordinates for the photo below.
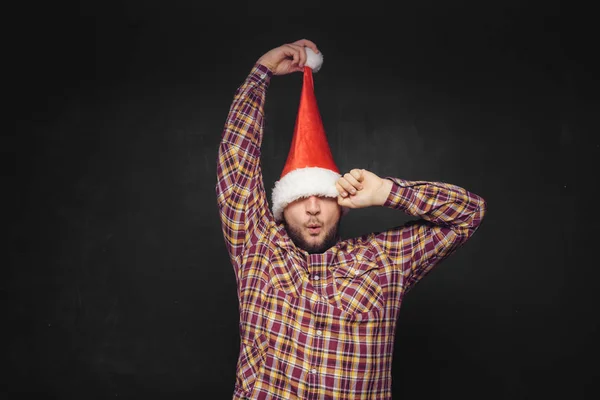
(118, 283)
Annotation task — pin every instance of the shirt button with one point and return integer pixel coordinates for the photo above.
(314, 371)
(319, 333)
(316, 277)
(356, 272)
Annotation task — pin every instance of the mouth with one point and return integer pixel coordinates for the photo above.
(314, 229)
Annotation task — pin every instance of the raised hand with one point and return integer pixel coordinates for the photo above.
(360, 188)
(287, 58)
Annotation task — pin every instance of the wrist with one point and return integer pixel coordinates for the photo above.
(384, 192)
(265, 63)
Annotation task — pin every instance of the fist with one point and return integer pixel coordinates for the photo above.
(360, 188)
(287, 58)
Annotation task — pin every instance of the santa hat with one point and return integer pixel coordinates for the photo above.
(309, 169)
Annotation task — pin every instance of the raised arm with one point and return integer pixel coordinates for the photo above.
(241, 197)
(449, 216)
(240, 191)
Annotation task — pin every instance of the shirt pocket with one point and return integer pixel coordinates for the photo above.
(252, 356)
(357, 283)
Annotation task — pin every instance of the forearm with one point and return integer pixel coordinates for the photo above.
(239, 189)
(239, 151)
(438, 202)
(244, 122)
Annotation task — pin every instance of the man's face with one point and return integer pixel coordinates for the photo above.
(312, 223)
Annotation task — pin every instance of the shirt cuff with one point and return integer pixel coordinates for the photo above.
(261, 73)
(402, 195)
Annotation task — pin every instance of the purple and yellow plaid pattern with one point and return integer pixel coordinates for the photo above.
(321, 326)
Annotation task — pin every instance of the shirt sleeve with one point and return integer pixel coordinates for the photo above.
(448, 216)
(240, 190)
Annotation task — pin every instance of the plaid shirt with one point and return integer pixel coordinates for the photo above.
(321, 326)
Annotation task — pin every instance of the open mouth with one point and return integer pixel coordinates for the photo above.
(314, 229)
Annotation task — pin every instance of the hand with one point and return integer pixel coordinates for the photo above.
(360, 188)
(288, 58)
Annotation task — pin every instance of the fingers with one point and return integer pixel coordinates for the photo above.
(301, 55)
(293, 52)
(345, 186)
(340, 189)
(297, 55)
(350, 183)
(307, 43)
(357, 174)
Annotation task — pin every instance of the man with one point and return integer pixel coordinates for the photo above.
(317, 313)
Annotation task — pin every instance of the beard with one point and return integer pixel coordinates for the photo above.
(330, 239)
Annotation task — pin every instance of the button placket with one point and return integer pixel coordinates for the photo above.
(317, 351)
(319, 277)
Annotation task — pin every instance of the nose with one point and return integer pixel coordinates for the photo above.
(313, 205)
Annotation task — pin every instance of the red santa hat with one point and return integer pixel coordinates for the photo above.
(310, 168)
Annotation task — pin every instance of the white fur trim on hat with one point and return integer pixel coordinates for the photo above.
(303, 182)
(313, 60)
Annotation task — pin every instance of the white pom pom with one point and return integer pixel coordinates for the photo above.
(313, 60)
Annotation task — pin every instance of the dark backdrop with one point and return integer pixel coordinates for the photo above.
(118, 283)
